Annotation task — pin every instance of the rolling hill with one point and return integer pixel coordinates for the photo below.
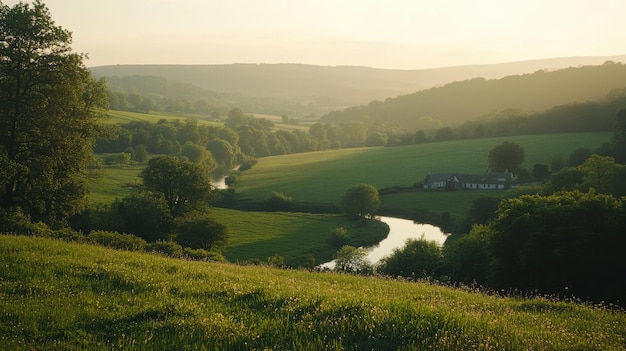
(322, 88)
(477, 98)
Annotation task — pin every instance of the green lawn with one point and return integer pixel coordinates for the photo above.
(325, 176)
(294, 236)
(60, 296)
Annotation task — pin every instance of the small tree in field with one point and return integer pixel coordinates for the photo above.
(507, 156)
(361, 201)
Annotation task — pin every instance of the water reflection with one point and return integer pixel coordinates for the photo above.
(400, 230)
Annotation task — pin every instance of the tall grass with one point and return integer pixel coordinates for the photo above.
(60, 296)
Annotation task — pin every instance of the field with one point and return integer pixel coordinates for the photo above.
(62, 296)
(114, 182)
(325, 176)
(294, 236)
(122, 117)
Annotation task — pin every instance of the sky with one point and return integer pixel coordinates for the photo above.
(397, 34)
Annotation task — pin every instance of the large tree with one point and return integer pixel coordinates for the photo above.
(361, 201)
(507, 156)
(50, 110)
(184, 185)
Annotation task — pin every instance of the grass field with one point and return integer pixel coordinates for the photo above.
(122, 117)
(114, 182)
(325, 176)
(60, 296)
(293, 236)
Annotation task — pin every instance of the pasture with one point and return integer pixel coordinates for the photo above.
(325, 176)
(62, 296)
(296, 237)
(123, 117)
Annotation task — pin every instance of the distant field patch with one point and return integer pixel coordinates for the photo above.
(123, 117)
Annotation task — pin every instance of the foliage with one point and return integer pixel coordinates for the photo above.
(598, 169)
(578, 156)
(568, 242)
(144, 214)
(184, 185)
(416, 259)
(361, 201)
(203, 255)
(619, 137)
(339, 237)
(166, 247)
(198, 231)
(506, 157)
(350, 259)
(278, 202)
(49, 117)
(467, 259)
(117, 240)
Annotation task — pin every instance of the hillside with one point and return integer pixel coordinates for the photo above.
(316, 88)
(457, 102)
(62, 296)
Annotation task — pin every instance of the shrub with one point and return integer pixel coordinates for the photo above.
(276, 261)
(198, 231)
(68, 234)
(167, 248)
(339, 237)
(15, 221)
(203, 255)
(417, 259)
(246, 165)
(117, 240)
(278, 202)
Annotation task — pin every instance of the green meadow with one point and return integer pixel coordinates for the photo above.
(122, 117)
(297, 237)
(63, 296)
(325, 176)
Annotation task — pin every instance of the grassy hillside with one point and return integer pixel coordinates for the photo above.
(61, 296)
(325, 176)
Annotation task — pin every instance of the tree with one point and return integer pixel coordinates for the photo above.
(507, 156)
(597, 169)
(50, 113)
(351, 259)
(184, 185)
(570, 240)
(198, 231)
(417, 259)
(619, 137)
(361, 201)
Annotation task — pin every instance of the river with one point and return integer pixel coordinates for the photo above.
(400, 230)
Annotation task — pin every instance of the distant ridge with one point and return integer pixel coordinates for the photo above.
(335, 86)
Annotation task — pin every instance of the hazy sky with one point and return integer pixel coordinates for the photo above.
(377, 33)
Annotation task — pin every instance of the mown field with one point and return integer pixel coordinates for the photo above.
(325, 176)
(296, 237)
(60, 296)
